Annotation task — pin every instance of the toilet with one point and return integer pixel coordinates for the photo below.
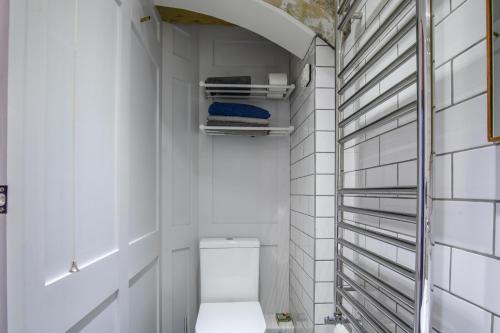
(229, 276)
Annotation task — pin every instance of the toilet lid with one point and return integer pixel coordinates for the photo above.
(241, 317)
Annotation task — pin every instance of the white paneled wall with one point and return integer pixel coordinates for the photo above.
(466, 220)
(312, 190)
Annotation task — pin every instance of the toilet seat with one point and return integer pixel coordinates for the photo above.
(241, 317)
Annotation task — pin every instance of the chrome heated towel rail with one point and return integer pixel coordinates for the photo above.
(364, 297)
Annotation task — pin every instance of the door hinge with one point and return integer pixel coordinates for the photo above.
(3, 199)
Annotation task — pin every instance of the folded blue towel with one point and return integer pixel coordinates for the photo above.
(237, 110)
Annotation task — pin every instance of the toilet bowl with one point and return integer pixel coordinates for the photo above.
(229, 276)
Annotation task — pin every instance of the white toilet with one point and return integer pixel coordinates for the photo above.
(229, 274)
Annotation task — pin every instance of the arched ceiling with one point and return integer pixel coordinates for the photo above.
(292, 24)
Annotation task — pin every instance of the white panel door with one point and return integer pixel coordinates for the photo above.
(76, 131)
(180, 178)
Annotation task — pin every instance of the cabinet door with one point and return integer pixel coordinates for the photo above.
(83, 236)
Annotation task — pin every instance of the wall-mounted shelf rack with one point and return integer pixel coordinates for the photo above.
(246, 91)
(246, 131)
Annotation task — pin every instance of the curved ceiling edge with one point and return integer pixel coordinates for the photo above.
(257, 16)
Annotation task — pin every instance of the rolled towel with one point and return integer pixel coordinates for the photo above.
(237, 110)
(233, 124)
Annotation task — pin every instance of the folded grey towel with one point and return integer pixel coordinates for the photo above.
(245, 120)
(230, 80)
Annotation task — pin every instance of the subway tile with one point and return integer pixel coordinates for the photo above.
(325, 163)
(446, 42)
(440, 9)
(442, 177)
(325, 184)
(476, 278)
(325, 249)
(469, 73)
(325, 77)
(325, 142)
(325, 120)
(407, 174)
(324, 271)
(441, 266)
(464, 224)
(399, 145)
(325, 227)
(475, 173)
(497, 228)
(323, 292)
(325, 98)
(451, 314)
(364, 155)
(325, 206)
(325, 56)
(442, 85)
(382, 176)
(461, 126)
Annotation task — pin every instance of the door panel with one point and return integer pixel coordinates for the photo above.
(144, 300)
(83, 163)
(180, 278)
(143, 136)
(180, 178)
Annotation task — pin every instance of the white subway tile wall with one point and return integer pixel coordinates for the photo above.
(466, 257)
(313, 190)
(384, 157)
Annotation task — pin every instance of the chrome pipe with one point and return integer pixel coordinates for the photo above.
(391, 92)
(347, 17)
(392, 293)
(394, 266)
(401, 190)
(374, 38)
(389, 69)
(369, 317)
(425, 132)
(398, 242)
(408, 108)
(352, 320)
(409, 218)
(412, 50)
(377, 304)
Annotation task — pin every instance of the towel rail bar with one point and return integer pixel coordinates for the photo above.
(408, 218)
(401, 190)
(392, 293)
(406, 109)
(378, 305)
(369, 64)
(394, 266)
(400, 243)
(352, 319)
(388, 70)
(391, 92)
(369, 317)
(373, 38)
(349, 14)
